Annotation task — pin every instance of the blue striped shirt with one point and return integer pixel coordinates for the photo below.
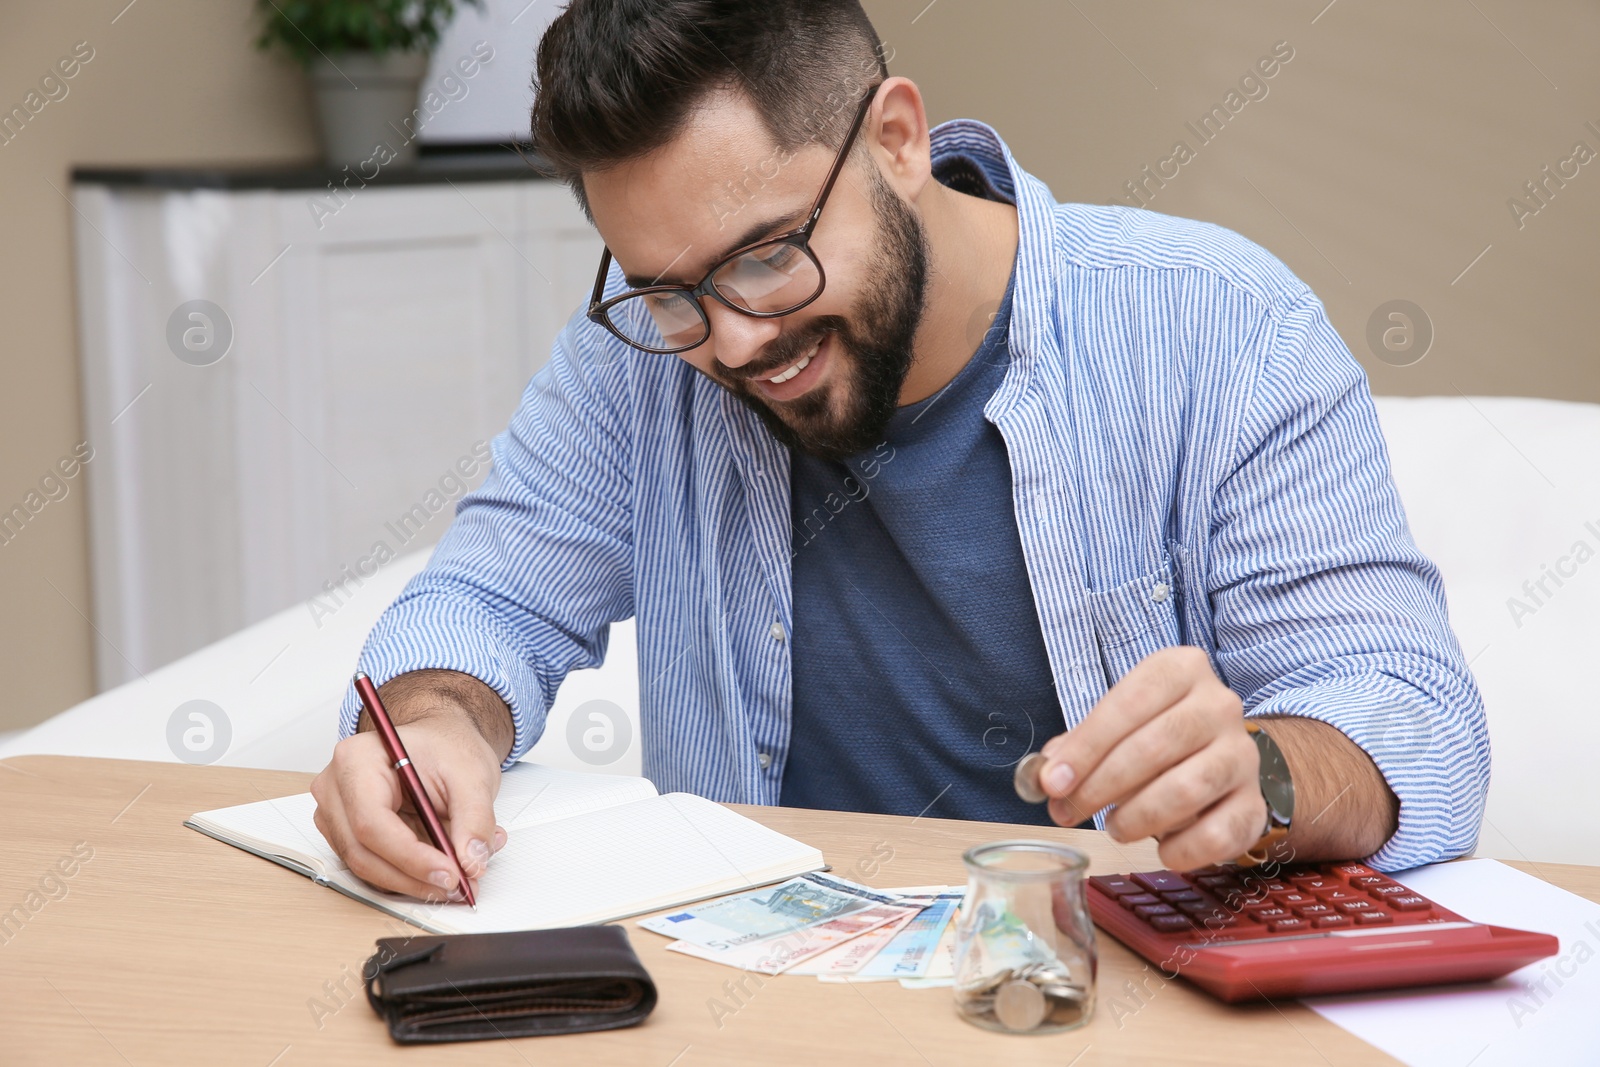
(1195, 459)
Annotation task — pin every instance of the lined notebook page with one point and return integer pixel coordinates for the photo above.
(619, 861)
(531, 793)
(282, 826)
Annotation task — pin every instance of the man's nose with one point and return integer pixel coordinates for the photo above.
(737, 339)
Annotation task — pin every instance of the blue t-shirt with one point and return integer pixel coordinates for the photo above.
(920, 673)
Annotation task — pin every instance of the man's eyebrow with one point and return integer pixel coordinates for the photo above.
(751, 235)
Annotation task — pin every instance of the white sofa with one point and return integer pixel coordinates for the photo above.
(279, 683)
(1498, 490)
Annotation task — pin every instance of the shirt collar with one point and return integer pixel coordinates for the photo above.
(1034, 301)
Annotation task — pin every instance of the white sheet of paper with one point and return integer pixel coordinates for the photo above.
(1544, 1013)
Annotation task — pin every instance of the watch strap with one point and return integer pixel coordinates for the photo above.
(1275, 831)
(1259, 852)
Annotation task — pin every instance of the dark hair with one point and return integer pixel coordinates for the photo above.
(618, 79)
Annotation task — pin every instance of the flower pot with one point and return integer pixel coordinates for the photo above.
(364, 101)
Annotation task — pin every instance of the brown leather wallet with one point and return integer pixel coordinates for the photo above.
(467, 987)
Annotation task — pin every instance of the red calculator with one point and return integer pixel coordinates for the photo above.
(1291, 931)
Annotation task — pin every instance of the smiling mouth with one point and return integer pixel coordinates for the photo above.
(796, 367)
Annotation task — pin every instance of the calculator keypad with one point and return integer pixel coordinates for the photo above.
(1224, 903)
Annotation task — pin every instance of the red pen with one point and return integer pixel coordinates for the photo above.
(410, 780)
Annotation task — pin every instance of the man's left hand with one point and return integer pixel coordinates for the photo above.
(1167, 746)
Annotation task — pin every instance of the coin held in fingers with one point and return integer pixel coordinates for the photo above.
(1026, 778)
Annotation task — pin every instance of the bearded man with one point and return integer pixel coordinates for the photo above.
(905, 470)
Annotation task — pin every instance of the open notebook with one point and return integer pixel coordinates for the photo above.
(582, 848)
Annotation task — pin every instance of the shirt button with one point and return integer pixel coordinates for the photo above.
(765, 759)
(1159, 592)
(777, 635)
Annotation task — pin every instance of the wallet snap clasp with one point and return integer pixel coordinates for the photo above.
(397, 962)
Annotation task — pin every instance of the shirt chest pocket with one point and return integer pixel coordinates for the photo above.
(1135, 619)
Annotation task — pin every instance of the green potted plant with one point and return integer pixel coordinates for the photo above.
(366, 60)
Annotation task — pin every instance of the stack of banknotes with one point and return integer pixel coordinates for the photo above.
(833, 928)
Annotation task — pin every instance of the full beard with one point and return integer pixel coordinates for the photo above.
(850, 413)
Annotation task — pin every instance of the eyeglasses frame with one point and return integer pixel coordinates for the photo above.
(799, 238)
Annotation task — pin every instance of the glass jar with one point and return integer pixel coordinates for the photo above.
(1025, 948)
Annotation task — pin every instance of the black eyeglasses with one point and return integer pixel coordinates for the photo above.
(773, 277)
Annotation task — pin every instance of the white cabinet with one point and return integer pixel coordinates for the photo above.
(372, 347)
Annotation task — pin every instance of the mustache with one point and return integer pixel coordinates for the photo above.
(788, 354)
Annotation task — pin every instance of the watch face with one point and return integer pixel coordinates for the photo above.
(1276, 785)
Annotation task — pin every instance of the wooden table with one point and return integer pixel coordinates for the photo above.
(166, 947)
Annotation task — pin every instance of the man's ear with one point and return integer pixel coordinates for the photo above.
(898, 134)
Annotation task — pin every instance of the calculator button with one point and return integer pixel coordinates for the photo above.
(1371, 881)
(1385, 892)
(1290, 899)
(1353, 870)
(1352, 907)
(1369, 918)
(1286, 926)
(1134, 900)
(1215, 920)
(1408, 903)
(1115, 885)
(1217, 881)
(1313, 883)
(1334, 896)
(1324, 922)
(1313, 911)
(1195, 907)
(1267, 913)
(1161, 881)
(1170, 924)
(1179, 896)
(1150, 911)
(1254, 893)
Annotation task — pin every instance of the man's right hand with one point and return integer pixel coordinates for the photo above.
(457, 732)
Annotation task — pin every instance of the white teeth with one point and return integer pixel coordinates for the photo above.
(796, 368)
(791, 372)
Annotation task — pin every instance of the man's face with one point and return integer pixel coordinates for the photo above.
(721, 184)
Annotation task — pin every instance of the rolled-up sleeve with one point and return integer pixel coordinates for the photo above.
(538, 560)
(1322, 604)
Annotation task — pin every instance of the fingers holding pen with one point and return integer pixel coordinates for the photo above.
(373, 839)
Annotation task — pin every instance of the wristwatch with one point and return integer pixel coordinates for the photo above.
(1277, 789)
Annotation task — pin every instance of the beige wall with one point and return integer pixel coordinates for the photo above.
(1378, 165)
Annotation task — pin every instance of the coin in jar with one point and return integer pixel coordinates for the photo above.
(1019, 1005)
(1026, 778)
